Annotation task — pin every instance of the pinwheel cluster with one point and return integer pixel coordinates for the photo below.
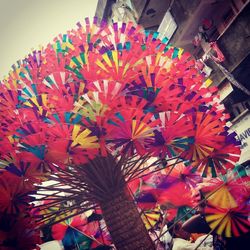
(174, 190)
(81, 230)
(228, 206)
(106, 91)
(116, 89)
(180, 193)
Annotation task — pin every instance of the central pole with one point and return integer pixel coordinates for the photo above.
(105, 178)
(124, 223)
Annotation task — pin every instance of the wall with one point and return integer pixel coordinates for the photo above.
(242, 128)
(234, 43)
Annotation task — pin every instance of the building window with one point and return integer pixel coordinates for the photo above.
(168, 26)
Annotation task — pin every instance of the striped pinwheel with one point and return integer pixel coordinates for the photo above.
(98, 107)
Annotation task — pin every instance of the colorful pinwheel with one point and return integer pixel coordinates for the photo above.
(151, 218)
(226, 191)
(72, 232)
(14, 194)
(228, 222)
(100, 106)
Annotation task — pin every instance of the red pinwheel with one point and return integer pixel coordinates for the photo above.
(176, 198)
(31, 171)
(228, 222)
(228, 191)
(79, 231)
(71, 143)
(71, 232)
(185, 174)
(170, 190)
(7, 151)
(227, 210)
(131, 130)
(9, 95)
(171, 142)
(143, 189)
(177, 194)
(208, 139)
(14, 194)
(106, 91)
(32, 139)
(220, 160)
(22, 234)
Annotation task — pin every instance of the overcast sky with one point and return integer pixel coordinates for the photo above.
(26, 24)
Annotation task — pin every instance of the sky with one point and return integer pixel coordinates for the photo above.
(26, 24)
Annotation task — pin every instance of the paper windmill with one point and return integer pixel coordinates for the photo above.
(73, 232)
(228, 221)
(226, 191)
(151, 218)
(14, 194)
(100, 106)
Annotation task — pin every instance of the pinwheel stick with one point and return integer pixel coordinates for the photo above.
(119, 210)
(161, 229)
(101, 182)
